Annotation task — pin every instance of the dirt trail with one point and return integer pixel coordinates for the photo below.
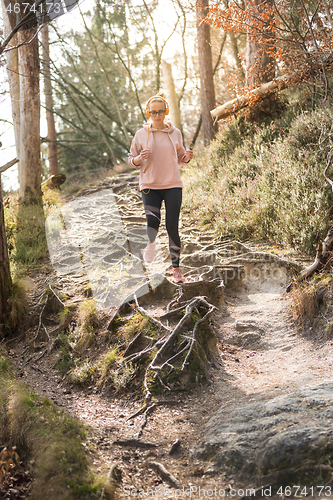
(262, 359)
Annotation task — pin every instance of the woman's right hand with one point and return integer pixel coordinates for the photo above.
(145, 154)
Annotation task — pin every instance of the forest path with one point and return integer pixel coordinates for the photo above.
(261, 383)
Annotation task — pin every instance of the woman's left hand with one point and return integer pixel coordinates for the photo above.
(188, 155)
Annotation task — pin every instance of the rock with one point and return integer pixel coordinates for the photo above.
(268, 435)
(212, 470)
(247, 326)
(293, 446)
(246, 340)
(175, 447)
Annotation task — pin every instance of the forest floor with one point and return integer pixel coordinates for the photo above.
(261, 359)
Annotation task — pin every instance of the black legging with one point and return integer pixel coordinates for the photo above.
(152, 202)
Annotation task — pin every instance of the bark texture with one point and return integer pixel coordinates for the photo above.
(5, 278)
(207, 90)
(30, 178)
(260, 64)
(171, 94)
(235, 51)
(52, 147)
(9, 21)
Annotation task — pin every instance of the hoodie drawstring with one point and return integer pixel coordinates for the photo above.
(148, 165)
(147, 171)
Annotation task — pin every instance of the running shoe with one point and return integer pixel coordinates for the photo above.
(149, 252)
(177, 275)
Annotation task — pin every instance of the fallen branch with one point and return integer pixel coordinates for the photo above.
(239, 103)
(8, 165)
(279, 83)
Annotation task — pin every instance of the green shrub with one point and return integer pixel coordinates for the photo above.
(25, 230)
(47, 437)
(267, 181)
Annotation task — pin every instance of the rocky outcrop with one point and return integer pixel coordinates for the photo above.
(272, 434)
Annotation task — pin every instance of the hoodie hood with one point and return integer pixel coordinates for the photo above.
(168, 127)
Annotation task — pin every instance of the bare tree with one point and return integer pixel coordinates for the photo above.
(5, 278)
(207, 90)
(235, 51)
(30, 181)
(171, 94)
(27, 127)
(52, 146)
(9, 19)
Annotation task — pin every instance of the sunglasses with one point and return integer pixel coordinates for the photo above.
(160, 112)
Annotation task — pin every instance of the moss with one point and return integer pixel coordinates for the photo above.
(83, 373)
(137, 324)
(109, 361)
(65, 357)
(46, 436)
(153, 384)
(197, 362)
(87, 313)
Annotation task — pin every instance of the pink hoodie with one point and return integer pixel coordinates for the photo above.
(161, 170)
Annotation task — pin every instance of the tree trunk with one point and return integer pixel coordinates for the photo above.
(207, 90)
(52, 147)
(234, 46)
(30, 181)
(171, 94)
(260, 65)
(5, 278)
(328, 10)
(9, 20)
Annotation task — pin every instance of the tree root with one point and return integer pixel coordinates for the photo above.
(41, 326)
(185, 319)
(142, 311)
(149, 410)
(175, 447)
(135, 443)
(164, 474)
(324, 252)
(165, 355)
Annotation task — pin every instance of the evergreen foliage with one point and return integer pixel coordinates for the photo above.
(99, 90)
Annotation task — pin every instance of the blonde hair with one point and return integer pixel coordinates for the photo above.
(156, 99)
(159, 97)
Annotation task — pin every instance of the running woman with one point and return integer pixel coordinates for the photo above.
(158, 149)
